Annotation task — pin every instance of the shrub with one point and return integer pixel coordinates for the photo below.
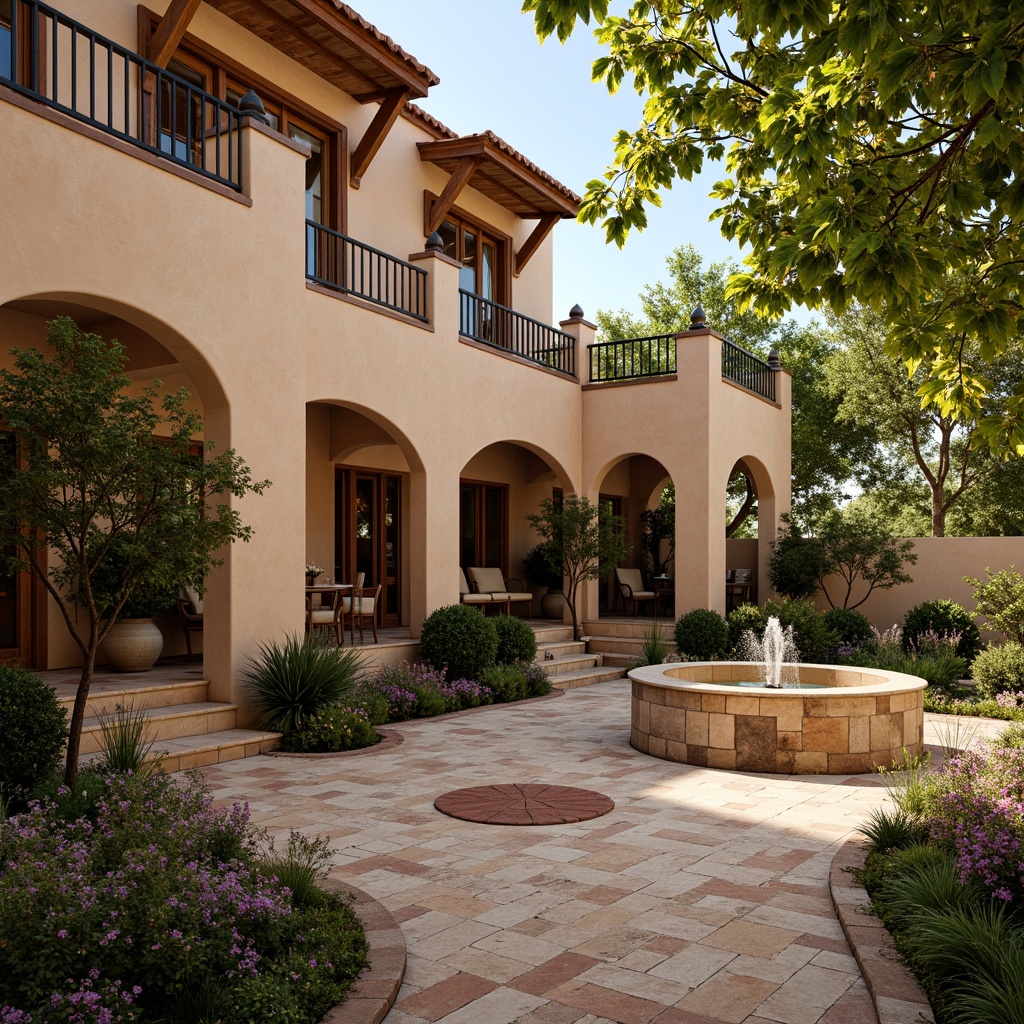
(999, 669)
(330, 729)
(813, 638)
(653, 648)
(942, 618)
(460, 639)
(125, 741)
(304, 861)
(893, 829)
(797, 564)
(1001, 600)
(539, 565)
(506, 682)
(516, 641)
(1011, 736)
(746, 616)
(702, 634)
(291, 681)
(35, 725)
(418, 691)
(851, 628)
(537, 682)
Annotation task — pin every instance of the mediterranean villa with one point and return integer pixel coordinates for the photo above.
(359, 300)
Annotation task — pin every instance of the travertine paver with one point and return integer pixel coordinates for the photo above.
(701, 898)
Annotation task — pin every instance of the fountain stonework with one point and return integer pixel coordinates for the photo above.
(858, 718)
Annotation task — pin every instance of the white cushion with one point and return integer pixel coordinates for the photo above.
(477, 599)
(516, 596)
(464, 587)
(322, 615)
(364, 606)
(631, 578)
(488, 581)
(193, 598)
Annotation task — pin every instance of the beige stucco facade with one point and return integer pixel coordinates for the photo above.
(205, 285)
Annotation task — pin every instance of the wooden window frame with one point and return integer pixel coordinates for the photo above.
(505, 253)
(224, 71)
(481, 486)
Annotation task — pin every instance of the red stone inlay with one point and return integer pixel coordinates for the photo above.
(529, 803)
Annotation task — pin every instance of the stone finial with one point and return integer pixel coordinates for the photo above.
(773, 359)
(576, 313)
(252, 106)
(698, 318)
(435, 243)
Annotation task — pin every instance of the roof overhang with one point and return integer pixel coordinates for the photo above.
(336, 43)
(502, 174)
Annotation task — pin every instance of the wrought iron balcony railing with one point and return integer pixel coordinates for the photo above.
(633, 359)
(504, 328)
(341, 263)
(57, 61)
(747, 370)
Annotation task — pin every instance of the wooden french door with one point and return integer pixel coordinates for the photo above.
(368, 534)
(608, 505)
(483, 525)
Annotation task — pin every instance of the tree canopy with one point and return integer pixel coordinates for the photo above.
(872, 152)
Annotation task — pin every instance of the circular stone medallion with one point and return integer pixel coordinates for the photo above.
(529, 803)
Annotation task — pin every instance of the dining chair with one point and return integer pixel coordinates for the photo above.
(364, 606)
(325, 618)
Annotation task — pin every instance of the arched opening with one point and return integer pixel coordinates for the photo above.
(749, 531)
(361, 472)
(32, 630)
(499, 487)
(638, 489)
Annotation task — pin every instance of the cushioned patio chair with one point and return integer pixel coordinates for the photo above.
(326, 618)
(364, 608)
(469, 596)
(631, 587)
(506, 593)
(190, 611)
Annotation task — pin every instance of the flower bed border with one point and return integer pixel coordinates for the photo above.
(895, 992)
(374, 992)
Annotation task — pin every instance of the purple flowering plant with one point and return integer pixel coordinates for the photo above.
(419, 691)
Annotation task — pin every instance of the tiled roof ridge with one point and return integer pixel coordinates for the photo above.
(366, 26)
(417, 113)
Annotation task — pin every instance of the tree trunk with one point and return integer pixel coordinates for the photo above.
(938, 512)
(78, 717)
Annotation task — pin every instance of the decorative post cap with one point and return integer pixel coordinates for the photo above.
(252, 106)
(576, 313)
(773, 359)
(435, 243)
(698, 318)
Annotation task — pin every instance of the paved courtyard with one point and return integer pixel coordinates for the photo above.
(701, 898)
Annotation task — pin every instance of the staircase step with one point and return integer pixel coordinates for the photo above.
(622, 661)
(554, 633)
(629, 628)
(570, 663)
(561, 649)
(177, 755)
(585, 677)
(170, 723)
(107, 695)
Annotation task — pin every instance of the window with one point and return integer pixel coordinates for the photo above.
(182, 125)
(483, 525)
(482, 255)
(6, 40)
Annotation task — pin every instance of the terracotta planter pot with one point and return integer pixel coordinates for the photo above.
(552, 604)
(133, 645)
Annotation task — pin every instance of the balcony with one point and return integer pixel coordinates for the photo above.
(61, 63)
(637, 359)
(342, 264)
(502, 328)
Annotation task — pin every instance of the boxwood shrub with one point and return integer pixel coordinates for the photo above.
(1000, 669)
(460, 639)
(702, 634)
(516, 641)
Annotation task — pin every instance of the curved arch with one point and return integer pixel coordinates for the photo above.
(390, 432)
(758, 473)
(534, 449)
(185, 351)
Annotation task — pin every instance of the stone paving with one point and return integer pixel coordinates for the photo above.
(702, 898)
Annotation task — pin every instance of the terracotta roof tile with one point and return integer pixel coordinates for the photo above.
(441, 131)
(387, 41)
(531, 166)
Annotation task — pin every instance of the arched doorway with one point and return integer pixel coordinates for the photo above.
(749, 532)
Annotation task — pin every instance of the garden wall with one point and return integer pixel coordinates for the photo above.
(942, 563)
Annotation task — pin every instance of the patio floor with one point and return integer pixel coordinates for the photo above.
(701, 898)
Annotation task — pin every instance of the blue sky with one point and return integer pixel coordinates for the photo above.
(495, 74)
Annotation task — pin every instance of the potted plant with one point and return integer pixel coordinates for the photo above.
(547, 581)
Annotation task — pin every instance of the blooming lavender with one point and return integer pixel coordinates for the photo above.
(1014, 701)
(416, 690)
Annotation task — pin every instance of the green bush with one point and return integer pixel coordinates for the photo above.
(813, 638)
(507, 682)
(702, 634)
(538, 565)
(329, 729)
(943, 618)
(892, 828)
(516, 641)
(460, 639)
(290, 681)
(796, 565)
(1001, 600)
(35, 726)
(742, 618)
(999, 669)
(851, 628)
(125, 741)
(537, 682)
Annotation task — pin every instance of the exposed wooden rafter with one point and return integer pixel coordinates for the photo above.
(446, 200)
(376, 133)
(170, 31)
(533, 243)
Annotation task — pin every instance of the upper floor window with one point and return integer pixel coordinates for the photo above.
(6, 37)
(483, 256)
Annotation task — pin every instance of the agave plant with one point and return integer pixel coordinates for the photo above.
(289, 681)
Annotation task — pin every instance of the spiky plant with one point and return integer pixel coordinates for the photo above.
(892, 828)
(125, 741)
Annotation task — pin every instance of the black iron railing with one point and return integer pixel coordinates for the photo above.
(345, 265)
(58, 61)
(633, 358)
(504, 328)
(746, 369)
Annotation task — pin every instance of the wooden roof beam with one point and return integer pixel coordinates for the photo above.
(533, 243)
(446, 200)
(376, 133)
(171, 31)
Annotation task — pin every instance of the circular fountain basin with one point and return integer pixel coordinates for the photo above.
(855, 720)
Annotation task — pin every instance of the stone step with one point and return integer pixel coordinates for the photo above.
(169, 723)
(106, 695)
(177, 755)
(622, 661)
(585, 677)
(570, 663)
(551, 634)
(560, 649)
(618, 645)
(630, 628)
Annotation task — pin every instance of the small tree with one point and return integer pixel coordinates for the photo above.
(92, 484)
(797, 562)
(585, 544)
(1001, 600)
(657, 525)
